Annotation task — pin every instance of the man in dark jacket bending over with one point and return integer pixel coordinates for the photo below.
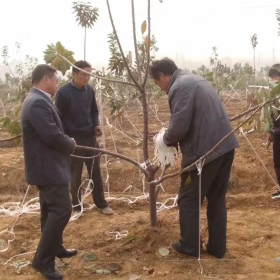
(77, 105)
(198, 122)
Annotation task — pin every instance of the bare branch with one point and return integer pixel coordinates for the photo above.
(120, 47)
(163, 178)
(271, 100)
(135, 42)
(244, 113)
(149, 44)
(115, 155)
(75, 156)
(97, 76)
(10, 139)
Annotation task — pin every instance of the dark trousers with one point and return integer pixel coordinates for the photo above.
(214, 185)
(276, 155)
(56, 210)
(94, 173)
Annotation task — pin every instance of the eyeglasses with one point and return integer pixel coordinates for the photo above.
(83, 74)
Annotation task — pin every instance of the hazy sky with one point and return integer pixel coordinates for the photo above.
(189, 28)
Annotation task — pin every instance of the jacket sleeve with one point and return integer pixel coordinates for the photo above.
(61, 103)
(182, 103)
(94, 110)
(42, 120)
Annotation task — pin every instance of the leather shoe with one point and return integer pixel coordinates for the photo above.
(67, 253)
(49, 274)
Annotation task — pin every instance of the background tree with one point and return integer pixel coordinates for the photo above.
(254, 43)
(277, 12)
(86, 16)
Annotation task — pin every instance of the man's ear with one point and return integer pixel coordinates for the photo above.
(46, 79)
(160, 75)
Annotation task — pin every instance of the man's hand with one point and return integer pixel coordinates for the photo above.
(151, 135)
(75, 144)
(98, 131)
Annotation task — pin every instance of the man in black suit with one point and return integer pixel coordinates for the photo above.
(47, 153)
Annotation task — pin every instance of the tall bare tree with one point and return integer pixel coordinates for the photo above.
(277, 12)
(86, 16)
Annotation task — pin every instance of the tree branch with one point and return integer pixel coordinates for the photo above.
(149, 44)
(244, 113)
(135, 42)
(120, 47)
(115, 155)
(271, 100)
(97, 76)
(75, 156)
(10, 139)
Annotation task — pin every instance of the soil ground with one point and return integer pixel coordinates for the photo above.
(253, 229)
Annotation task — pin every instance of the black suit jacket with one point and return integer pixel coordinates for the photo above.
(46, 148)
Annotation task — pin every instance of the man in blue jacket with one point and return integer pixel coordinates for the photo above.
(77, 105)
(198, 122)
(47, 153)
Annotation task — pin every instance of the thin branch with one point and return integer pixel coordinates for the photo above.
(144, 96)
(244, 113)
(135, 42)
(271, 100)
(149, 44)
(97, 76)
(115, 155)
(75, 156)
(10, 139)
(120, 47)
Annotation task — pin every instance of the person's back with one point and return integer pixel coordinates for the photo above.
(205, 117)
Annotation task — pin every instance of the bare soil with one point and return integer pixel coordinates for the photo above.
(253, 230)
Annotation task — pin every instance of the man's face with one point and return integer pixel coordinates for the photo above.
(51, 84)
(163, 81)
(81, 78)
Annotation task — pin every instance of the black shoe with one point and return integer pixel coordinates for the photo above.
(177, 248)
(50, 274)
(67, 253)
(275, 195)
(216, 254)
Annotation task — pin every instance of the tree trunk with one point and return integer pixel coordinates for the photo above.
(254, 61)
(153, 206)
(85, 40)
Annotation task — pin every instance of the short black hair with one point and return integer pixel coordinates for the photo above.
(80, 64)
(274, 71)
(166, 66)
(40, 71)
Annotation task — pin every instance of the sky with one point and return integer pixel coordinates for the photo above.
(182, 28)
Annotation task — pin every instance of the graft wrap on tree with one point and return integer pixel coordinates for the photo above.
(164, 155)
